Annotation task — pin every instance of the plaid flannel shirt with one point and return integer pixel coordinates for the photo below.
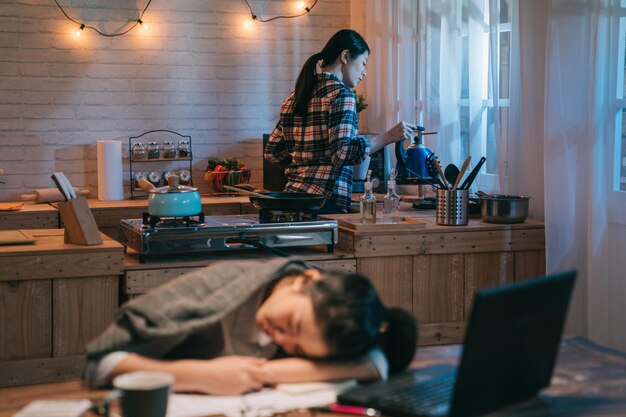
(319, 155)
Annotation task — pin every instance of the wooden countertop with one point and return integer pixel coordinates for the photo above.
(49, 257)
(51, 241)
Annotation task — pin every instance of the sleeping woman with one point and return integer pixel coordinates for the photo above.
(232, 328)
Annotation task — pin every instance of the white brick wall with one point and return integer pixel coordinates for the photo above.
(196, 71)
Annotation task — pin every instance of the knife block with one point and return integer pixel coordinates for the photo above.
(80, 225)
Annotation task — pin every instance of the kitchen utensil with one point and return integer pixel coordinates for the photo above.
(49, 195)
(145, 185)
(461, 172)
(500, 208)
(58, 181)
(441, 174)
(174, 200)
(452, 207)
(472, 176)
(451, 172)
(245, 191)
(68, 185)
(433, 172)
(288, 201)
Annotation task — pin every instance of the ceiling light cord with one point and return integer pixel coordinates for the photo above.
(258, 19)
(139, 21)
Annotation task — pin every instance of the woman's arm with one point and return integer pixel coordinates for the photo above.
(306, 370)
(227, 375)
(402, 130)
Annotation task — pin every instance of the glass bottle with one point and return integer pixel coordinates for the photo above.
(183, 149)
(368, 202)
(154, 152)
(391, 204)
(139, 151)
(169, 150)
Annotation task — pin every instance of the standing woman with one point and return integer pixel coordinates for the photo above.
(316, 137)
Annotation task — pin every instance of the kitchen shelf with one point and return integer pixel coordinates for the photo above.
(163, 164)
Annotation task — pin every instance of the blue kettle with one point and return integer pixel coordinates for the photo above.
(411, 164)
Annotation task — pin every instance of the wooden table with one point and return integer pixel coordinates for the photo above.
(589, 380)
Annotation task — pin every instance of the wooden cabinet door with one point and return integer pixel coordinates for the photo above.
(25, 322)
(438, 298)
(392, 276)
(484, 270)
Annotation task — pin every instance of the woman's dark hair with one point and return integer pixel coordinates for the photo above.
(354, 320)
(339, 42)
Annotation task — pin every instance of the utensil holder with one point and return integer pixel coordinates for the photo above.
(80, 226)
(452, 207)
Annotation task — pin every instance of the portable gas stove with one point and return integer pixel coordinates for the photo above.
(152, 237)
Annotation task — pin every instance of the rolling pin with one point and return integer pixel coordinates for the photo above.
(49, 195)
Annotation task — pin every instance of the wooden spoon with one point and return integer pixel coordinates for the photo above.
(462, 171)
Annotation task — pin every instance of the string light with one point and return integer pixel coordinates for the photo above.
(301, 6)
(82, 26)
(79, 31)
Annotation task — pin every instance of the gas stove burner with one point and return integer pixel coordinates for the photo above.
(157, 222)
(221, 233)
(273, 216)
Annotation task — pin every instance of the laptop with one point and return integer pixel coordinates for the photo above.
(511, 344)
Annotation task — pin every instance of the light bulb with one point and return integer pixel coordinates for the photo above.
(79, 31)
(143, 24)
(248, 23)
(301, 6)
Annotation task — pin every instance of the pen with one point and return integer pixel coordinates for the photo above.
(349, 409)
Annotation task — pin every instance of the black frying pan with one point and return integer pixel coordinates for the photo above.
(281, 200)
(287, 201)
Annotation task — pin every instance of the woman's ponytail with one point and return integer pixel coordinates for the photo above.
(305, 85)
(399, 339)
(345, 39)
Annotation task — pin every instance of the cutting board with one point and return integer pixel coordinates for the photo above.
(353, 222)
(14, 237)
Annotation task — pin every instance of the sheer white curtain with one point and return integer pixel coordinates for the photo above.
(578, 148)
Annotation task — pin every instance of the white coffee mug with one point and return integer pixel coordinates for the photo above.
(142, 393)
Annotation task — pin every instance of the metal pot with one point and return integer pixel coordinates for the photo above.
(500, 208)
(174, 200)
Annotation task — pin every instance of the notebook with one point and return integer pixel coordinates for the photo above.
(510, 348)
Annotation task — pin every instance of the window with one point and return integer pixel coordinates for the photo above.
(478, 55)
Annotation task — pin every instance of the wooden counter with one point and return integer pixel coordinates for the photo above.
(434, 270)
(31, 216)
(141, 277)
(109, 213)
(54, 297)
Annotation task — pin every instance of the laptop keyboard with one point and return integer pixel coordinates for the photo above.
(429, 397)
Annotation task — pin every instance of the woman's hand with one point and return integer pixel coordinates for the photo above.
(401, 131)
(227, 375)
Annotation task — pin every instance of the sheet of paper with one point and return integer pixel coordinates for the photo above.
(54, 408)
(257, 404)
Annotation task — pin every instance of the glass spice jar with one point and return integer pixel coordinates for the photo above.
(139, 151)
(185, 176)
(169, 150)
(183, 149)
(166, 175)
(154, 152)
(154, 177)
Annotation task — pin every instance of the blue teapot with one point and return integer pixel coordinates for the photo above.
(412, 162)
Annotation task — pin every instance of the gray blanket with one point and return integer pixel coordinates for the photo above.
(173, 311)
